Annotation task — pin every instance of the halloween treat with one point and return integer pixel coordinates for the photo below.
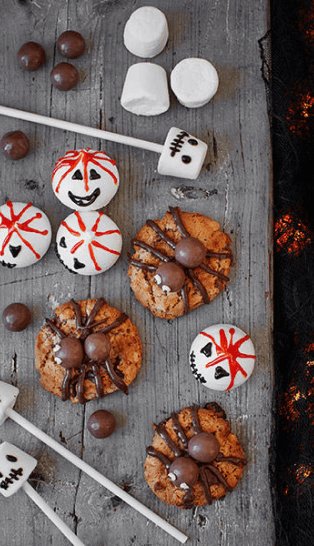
(89, 349)
(31, 56)
(101, 424)
(194, 458)
(182, 155)
(180, 262)
(15, 468)
(15, 145)
(88, 243)
(16, 317)
(64, 76)
(145, 91)
(194, 82)
(146, 32)
(85, 179)
(25, 234)
(222, 357)
(8, 395)
(71, 44)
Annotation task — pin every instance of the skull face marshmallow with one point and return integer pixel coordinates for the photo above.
(222, 357)
(85, 179)
(88, 243)
(183, 155)
(25, 234)
(15, 468)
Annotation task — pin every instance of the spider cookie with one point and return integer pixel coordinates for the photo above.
(194, 458)
(180, 262)
(89, 349)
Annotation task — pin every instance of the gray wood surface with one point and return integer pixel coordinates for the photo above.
(235, 189)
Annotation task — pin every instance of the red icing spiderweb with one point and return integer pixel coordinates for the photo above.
(229, 350)
(73, 158)
(15, 224)
(93, 244)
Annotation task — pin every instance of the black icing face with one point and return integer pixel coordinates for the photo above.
(207, 349)
(84, 201)
(11, 474)
(183, 144)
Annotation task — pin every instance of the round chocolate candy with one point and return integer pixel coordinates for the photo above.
(71, 44)
(15, 145)
(183, 472)
(97, 347)
(190, 252)
(203, 447)
(64, 76)
(101, 424)
(31, 56)
(71, 353)
(16, 317)
(170, 277)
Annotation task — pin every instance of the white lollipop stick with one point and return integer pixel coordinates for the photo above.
(8, 395)
(15, 468)
(182, 155)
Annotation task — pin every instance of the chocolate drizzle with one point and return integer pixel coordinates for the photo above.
(73, 383)
(189, 272)
(209, 473)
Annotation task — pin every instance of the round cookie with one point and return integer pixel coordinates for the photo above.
(198, 434)
(222, 357)
(173, 239)
(89, 379)
(85, 179)
(88, 243)
(25, 234)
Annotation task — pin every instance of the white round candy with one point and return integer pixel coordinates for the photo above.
(25, 234)
(146, 32)
(194, 81)
(145, 91)
(88, 243)
(85, 179)
(222, 357)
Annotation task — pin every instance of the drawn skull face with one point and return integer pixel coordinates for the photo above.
(85, 179)
(183, 155)
(25, 234)
(88, 243)
(8, 396)
(222, 357)
(15, 468)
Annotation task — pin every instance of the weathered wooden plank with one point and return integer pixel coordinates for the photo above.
(236, 189)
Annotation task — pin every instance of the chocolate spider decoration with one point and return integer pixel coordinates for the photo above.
(189, 253)
(86, 355)
(195, 460)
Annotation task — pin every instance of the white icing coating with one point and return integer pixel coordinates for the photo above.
(25, 234)
(15, 468)
(183, 155)
(146, 32)
(194, 81)
(88, 243)
(145, 91)
(85, 179)
(8, 396)
(222, 357)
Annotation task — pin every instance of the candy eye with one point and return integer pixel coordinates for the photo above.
(77, 175)
(193, 142)
(186, 159)
(93, 175)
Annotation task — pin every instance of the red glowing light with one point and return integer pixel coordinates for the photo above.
(291, 234)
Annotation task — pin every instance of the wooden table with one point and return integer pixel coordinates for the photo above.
(235, 188)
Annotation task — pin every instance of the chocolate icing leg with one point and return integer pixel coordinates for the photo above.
(115, 378)
(215, 273)
(150, 450)
(175, 211)
(163, 257)
(55, 328)
(160, 429)
(195, 420)
(161, 234)
(97, 380)
(179, 430)
(66, 384)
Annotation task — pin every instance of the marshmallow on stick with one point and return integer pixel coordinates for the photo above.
(8, 396)
(15, 468)
(178, 156)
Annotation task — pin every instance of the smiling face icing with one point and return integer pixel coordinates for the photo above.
(85, 179)
(15, 468)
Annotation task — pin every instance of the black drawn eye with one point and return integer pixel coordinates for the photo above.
(62, 242)
(193, 142)
(186, 159)
(207, 349)
(1, 475)
(93, 175)
(77, 175)
(11, 458)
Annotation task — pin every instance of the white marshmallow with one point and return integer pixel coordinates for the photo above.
(146, 32)
(8, 396)
(183, 155)
(15, 468)
(145, 91)
(194, 82)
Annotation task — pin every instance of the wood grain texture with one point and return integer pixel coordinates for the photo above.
(235, 188)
